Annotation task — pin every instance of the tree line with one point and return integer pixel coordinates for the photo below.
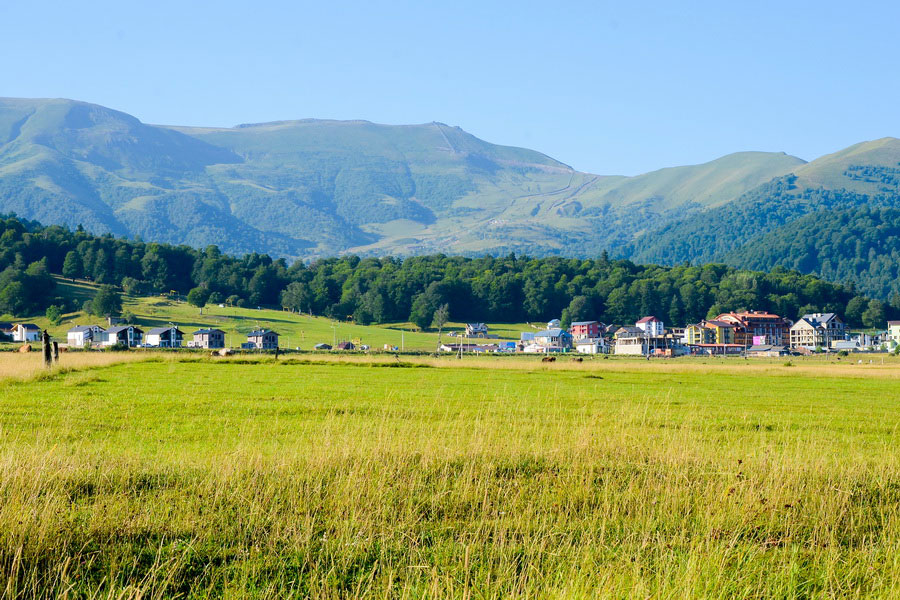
(378, 290)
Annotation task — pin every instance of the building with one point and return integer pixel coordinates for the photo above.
(263, 339)
(165, 337)
(26, 332)
(345, 346)
(637, 341)
(554, 340)
(476, 330)
(767, 351)
(591, 346)
(581, 330)
(893, 332)
(553, 324)
(817, 330)
(722, 332)
(84, 335)
(208, 338)
(321, 346)
(651, 326)
(757, 327)
(125, 335)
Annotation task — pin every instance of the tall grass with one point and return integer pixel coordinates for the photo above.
(217, 479)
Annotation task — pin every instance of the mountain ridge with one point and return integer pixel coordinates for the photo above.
(307, 188)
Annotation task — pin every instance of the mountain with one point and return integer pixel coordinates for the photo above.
(311, 187)
(790, 220)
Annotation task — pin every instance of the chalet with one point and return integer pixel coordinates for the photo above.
(476, 330)
(165, 337)
(208, 338)
(84, 335)
(126, 335)
(817, 330)
(26, 332)
(581, 330)
(263, 339)
(345, 346)
(554, 340)
(756, 327)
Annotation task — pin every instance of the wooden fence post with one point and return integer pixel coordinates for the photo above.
(56, 352)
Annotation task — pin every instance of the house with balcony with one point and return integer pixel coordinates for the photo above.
(817, 330)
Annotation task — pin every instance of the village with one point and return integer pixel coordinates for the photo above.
(746, 333)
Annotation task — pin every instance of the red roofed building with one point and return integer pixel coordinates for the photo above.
(651, 326)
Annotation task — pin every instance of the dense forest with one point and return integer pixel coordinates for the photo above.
(373, 290)
(861, 245)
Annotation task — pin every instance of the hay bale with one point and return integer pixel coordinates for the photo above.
(225, 352)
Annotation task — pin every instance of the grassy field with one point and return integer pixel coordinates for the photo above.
(295, 330)
(479, 478)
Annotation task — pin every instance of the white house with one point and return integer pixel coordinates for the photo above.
(591, 346)
(126, 335)
(476, 330)
(652, 326)
(83, 335)
(26, 332)
(554, 339)
(164, 337)
(553, 324)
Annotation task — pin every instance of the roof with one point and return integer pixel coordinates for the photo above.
(816, 318)
(202, 331)
(323, 346)
(346, 346)
(6, 326)
(766, 348)
(574, 323)
(261, 332)
(159, 330)
(551, 333)
(716, 323)
(28, 326)
(892, 323)
(119, 328)
(650, 319)
(78, 328)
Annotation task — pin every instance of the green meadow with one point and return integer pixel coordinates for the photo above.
(375, 478)
(296, 330)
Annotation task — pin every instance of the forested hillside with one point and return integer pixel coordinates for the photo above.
(370, 290)
(859, 245)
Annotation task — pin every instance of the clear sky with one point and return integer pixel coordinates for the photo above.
(607, 87)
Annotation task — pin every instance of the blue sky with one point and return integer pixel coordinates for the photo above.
(607, 87)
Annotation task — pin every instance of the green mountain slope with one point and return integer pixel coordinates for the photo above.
(762, 226)
(311, 188)
(860, 245)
